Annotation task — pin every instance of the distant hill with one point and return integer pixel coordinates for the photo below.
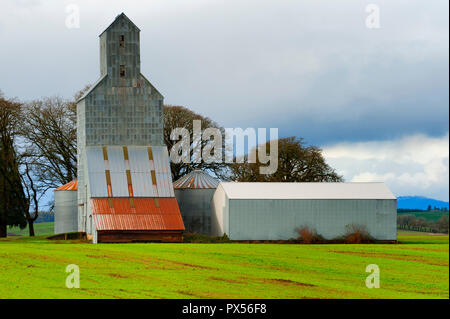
(419, 202)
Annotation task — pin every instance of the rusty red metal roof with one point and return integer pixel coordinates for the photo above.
(132, 213)
(71, 186)
(196, 179)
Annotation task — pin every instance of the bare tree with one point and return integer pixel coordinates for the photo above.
(181, 117)
(297, 162)
(34, 191)
(49, 131)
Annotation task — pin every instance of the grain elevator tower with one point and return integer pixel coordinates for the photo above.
(125, 190)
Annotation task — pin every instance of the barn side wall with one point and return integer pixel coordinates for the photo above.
(130, 236)
(195, 207)
(66, 212)
(278, 219)
(219, 212)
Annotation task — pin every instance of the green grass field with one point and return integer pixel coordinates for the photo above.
(417, 267)
(40, 229)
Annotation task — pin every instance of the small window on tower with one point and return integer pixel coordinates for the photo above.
(122, 71)
(122, 41)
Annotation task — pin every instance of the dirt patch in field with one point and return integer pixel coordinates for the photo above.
(185, 264)
(389, 256)
(287, 282)
(117, 275)
(226, 280)
(187, 293)
(427, 249)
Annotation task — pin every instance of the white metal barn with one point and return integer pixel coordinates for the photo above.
(272, 211)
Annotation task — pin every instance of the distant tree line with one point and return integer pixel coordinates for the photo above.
(435, 209)
(411, 222)
(38, 152)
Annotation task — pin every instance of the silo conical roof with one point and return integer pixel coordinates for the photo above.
(71, 186)
(197, 179)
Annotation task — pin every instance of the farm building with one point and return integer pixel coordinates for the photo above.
(272, 211)
(125, 190)
(194, 193)
(66, 210)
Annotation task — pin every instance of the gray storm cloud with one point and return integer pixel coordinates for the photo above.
(310, 68)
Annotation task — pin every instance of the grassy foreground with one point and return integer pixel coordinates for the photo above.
(418, 267)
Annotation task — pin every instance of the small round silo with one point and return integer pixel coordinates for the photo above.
(66, 209)
(194, 193)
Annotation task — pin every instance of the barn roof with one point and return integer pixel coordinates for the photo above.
(71, 186)
(237, 190)
(196, 179)
(136, 214)
(121, 15)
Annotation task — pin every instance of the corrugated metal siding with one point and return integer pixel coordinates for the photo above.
(145, 215)
(96, 172)
(196, 179)
(66, 212)
(195, 208)
(71, 186)
(140, 166)
(142, 184)
(117, 167)
(139, 161)
(277, 219)
(162, 170)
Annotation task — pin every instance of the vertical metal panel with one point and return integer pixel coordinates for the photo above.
(140, 172)
(95, 159)
(141, 184)
(66, 212)
(118, 171)
(162, 169)
(96, 172)
(138, 159)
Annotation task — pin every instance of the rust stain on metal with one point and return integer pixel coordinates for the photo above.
(105, 153)
(150, 153)
(125, 153)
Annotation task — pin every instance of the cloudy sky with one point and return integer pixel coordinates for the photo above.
(376, 100)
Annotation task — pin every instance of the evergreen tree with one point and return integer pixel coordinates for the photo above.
(13, 202)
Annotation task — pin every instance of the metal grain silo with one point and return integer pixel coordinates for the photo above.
(66, 210)
(194, 193)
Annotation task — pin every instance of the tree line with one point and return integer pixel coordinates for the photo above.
(411, 222)
(38, 153)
